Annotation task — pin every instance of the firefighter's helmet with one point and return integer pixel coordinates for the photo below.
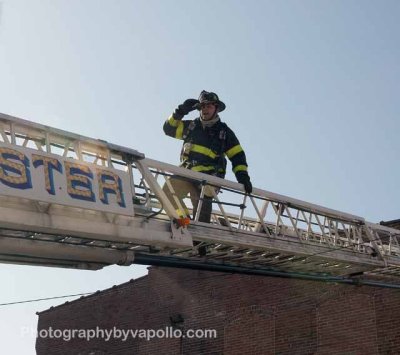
(210, 97)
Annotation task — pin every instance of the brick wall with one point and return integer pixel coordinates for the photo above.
(251, 314)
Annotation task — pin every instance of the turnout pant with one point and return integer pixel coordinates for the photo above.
(177, 189)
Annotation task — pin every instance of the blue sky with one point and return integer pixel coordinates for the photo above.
(311, 88)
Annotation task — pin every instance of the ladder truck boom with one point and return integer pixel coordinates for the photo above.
(72, 201)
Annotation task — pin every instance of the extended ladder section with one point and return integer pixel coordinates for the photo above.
(73, 201)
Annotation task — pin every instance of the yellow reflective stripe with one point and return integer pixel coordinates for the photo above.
(173, 122)
(179, 130)
(239, 168)
(233, 151)
(178, 124)
(183, 213)
(201, 168)
(203, 150)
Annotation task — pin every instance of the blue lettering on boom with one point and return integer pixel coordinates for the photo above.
(14, 169)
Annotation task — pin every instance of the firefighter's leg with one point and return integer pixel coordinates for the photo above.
(206, 206)
(205, 213)
(176, 190)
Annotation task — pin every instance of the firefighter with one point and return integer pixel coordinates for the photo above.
(206, 142)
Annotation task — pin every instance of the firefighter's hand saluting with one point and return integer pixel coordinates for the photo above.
(185, 108)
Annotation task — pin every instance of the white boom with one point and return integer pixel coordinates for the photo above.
(73, 201)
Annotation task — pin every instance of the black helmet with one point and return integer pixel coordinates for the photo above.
(210, 97)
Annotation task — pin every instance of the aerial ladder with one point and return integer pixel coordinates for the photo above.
(72, 201)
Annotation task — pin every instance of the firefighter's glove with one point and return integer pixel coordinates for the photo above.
(185, 108)
(244, 178)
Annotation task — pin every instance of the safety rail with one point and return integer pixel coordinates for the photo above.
(272, 214)
(263, 228)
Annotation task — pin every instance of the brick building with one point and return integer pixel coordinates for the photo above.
(251, 315)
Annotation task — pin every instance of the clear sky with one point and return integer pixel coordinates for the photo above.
(311, 88)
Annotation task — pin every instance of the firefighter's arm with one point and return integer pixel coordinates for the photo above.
(174, 126)
(237, 156)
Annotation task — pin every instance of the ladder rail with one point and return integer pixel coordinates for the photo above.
(334, 229)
